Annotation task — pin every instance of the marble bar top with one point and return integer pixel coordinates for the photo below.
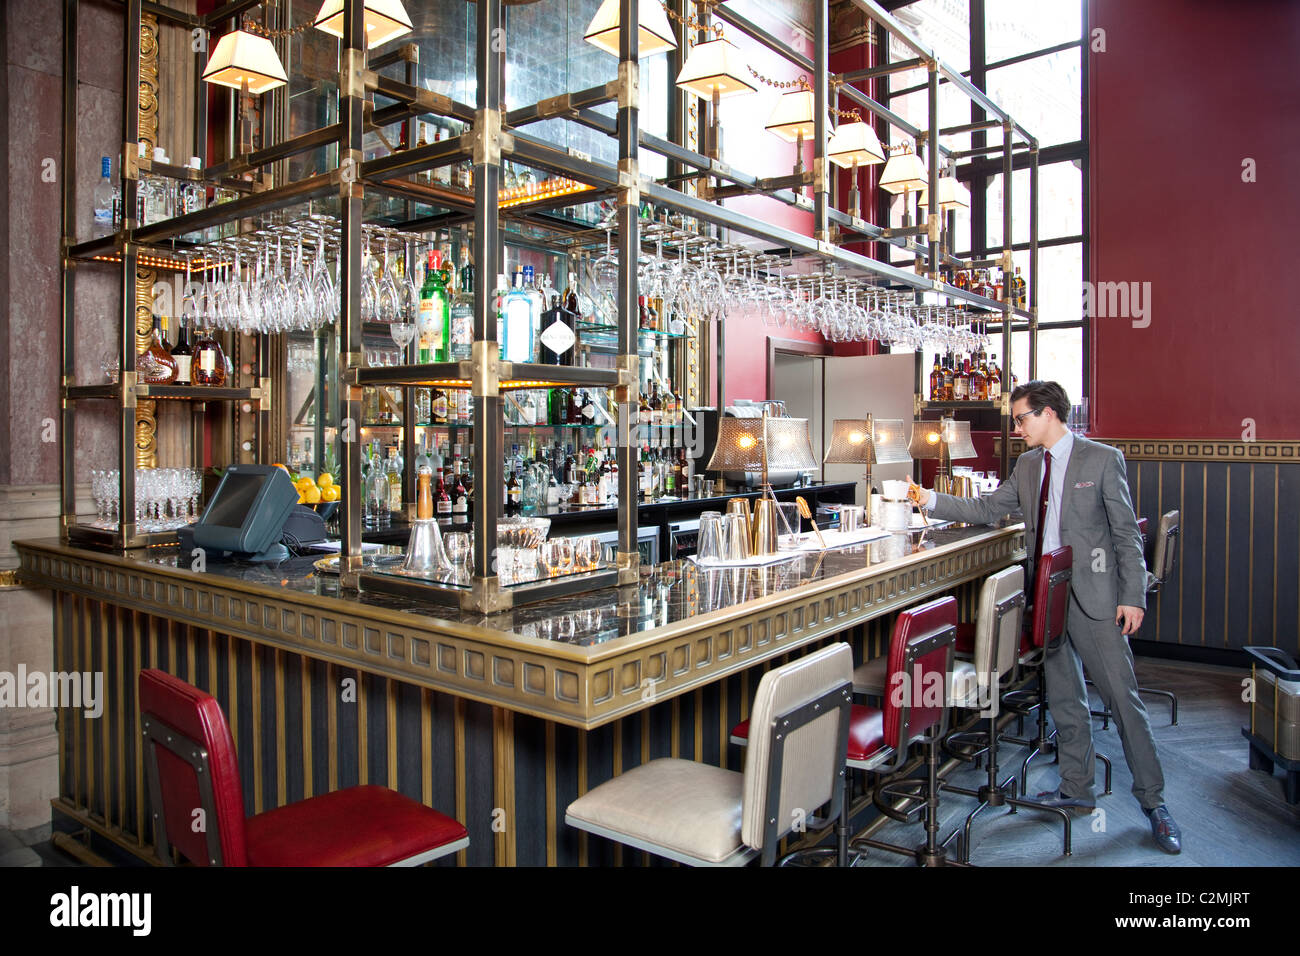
(583, 659)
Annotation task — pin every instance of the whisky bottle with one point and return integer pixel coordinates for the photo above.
(995, 380)
(961, 382)
(978, 383)
(948, 374)
(936, 381)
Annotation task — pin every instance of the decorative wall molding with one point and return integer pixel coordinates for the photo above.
(1202, 449)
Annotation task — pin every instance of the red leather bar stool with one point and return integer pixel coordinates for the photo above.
(976, 686)
(1166, 550)
(1047, 620)
(879, 739)
(707, 816)
(191, 762)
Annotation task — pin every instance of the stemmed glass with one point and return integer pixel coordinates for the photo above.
(389, 296)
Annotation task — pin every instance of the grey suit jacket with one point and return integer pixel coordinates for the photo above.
(1097, 521)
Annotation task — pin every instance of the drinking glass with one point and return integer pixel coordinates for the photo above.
(457, 545)
(736, 537)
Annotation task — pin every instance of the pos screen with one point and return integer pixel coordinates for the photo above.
(248, 510)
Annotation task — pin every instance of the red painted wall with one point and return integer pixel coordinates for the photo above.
(1185, 91)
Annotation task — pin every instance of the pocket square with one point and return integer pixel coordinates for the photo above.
(1084, 484)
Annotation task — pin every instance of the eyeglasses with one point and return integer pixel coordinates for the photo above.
(1019, 419)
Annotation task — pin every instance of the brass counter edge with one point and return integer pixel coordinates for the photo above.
(536, 677)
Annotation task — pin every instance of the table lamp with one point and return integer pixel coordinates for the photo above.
(763, 444)
(867, 441)
(947, 440)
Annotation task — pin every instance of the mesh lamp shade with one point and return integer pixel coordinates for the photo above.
(890, 444)
(855, 143)
(715, 66)
(904, 173)
(653, 36)
(741, 444)
(952, 194)
(793, 116)
(385, 20)
(850, 443)
(956, 435)
(242, 57)
(926, 439)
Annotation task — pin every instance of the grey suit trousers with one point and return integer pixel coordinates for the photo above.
(1103, 649)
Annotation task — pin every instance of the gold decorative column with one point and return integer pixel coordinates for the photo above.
(146, 423)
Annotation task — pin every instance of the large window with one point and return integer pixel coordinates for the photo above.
(1028, 56)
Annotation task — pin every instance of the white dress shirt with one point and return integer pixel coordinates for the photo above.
(1060, 453)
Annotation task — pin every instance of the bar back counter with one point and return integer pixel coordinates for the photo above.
(500, 721)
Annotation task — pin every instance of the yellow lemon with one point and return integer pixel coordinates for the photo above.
(325, 480)
(330, 493)
(312, 495)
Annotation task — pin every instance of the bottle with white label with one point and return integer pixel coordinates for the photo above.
(104, 199)
(517, 338)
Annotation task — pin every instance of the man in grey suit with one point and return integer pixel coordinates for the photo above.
(1087, 508)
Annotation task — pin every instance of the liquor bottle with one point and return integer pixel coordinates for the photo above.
(423, 493)
(442, 174)
(104, 197)
(979, 389)
(438, 406)
(460, 499)
(995, 379)
(435, 313)
(462, 310)
(571, 302)
(643, 409)
(558, 337)
(999, 286)
(156, 365)
(183, 353)
(961, 383)
(589, 407)
(393, 473)
(443, 503)
(948, 375)
(656, 406)
(517, 345)
(643, 314)
(1020, 287)
(514, 495)
(425, 176)
(208, 367)
(936, 380)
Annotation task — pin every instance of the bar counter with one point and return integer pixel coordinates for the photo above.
(498, 720)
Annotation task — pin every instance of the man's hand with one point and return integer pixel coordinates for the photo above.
(1130, 617)
(917, 493)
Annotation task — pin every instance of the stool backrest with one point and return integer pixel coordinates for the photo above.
(1051, 597)
(799, 732)
(920, 672)
(1166, 546)
(192, 765)
(999, 624)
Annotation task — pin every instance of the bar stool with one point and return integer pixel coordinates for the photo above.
(998, 631)
(879, 740)
(1166, 550)
(706, 816)
(1046, 629)
(192, 766)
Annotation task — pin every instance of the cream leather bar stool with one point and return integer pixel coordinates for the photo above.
(706, 816)
(879, 740)
(1166, 550)
(976, 686)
